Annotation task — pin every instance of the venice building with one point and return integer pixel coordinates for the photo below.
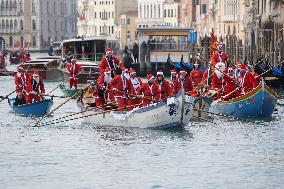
(35, 24)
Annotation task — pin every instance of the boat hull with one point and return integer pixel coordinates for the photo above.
(70, 92)
(155, 116)
(260, 102)
(36, 109)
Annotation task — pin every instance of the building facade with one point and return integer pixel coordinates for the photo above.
(34, 24)
(187, 13)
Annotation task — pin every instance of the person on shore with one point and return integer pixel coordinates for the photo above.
(35, 88)
(74, 69)
(111, 62)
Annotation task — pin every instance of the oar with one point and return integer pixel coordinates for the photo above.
(59, 106)
(5, 97)
(270, 69)
(264, 58)
(76, 113)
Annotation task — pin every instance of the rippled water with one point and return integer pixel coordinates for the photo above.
(219, 154)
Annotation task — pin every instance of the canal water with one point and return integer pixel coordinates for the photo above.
(219, 154)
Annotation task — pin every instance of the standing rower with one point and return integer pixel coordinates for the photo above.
(196, 75)
(162, 88)
(21, 80)
(146, 90)
(74, 69)
(136, 82)
(111, 62)
(219, 56)
(35, 88)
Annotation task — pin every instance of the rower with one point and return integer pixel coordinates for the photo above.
(173, 80)
(19, 100)
(111, 62)
(21, 80)
(218, 78)
(104, 85)
(196, 75)
(74, 69)
(231, 85)
(219, 56)
(145, 90)
(184, 79)
(120, 85)
(136, 82)
(246, 79)
(162, 88)
(35, 88)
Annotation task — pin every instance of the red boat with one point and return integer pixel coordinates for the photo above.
(16, 57)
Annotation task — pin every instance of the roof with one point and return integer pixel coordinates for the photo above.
(108, 38)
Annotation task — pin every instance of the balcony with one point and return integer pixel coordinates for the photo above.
(229, 18)
(8, 13)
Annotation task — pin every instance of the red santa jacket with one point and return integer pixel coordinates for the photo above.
(2, 59)
(207, 76)
(230, 86)
(196, 76)
(162, 90)
(34, 86)
(21, 82)
(217, 83)
(146, 90)
(257, 80)
(109, 63)
(136, 82)
(74, 70)
(223, 57)
(102, 84)
(122, 85)
(246, 81)
(187, 85)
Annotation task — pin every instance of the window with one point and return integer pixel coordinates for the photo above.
(3, 24)
(22, 41)
(54, 7)
(21, 25)
(34, 24)
(47, 7)
(204, 9)
(11, 24)
(55, 26)
(112, 29)
(165, 13)
(21, 6)
(7, 24)
(2, 6)
(15, 24)
(33, 6)
(11, 41)
(128, 20)
(48, 25)
(34, 42)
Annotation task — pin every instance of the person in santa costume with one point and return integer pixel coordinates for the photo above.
(231, 85)
(219, 56)
(104, 85)
(218, 82)
(196, 75)
(186, 81)
(256, 76)
(21, 80)
(146, 90)
(35, 88)
(74, 69)
(136, 82)
(162, 88)
(111, 62)
(246, 79)
(120, 85)
(207, 76)
(173, 80)
(2, 58)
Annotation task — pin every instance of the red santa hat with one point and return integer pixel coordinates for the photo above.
(132, 71)
(242, 66)
(108, 50)
(21, 68)
(230, 69)
(123, 69)
(73, 60)
(183, 71)
(107, 70)
(36, 73)
(150, 77)
(173, 72)
(160, 72)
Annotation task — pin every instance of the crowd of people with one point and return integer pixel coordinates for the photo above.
(219, 81)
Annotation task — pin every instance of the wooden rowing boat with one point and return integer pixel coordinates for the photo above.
(70, 92)
(260, 102)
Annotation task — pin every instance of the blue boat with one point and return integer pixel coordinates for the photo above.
(277, 72)
(37, 109)
(260, 102)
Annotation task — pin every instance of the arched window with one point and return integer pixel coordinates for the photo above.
(15, 24)
(22, 41)
(11, 24)
(34, 24)
(11, 5)
(7, 5)
(0, 25)
(34, 41)
(3, 24)
(21, 25)
(11, 41)
(33, 6)
(21, 6)
(7, 24)
(2, 6)
(15, 5)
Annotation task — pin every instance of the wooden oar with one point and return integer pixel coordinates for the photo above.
(5, 97)
(59, 106)
(264, 58)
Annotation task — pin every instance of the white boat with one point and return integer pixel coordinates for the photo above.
(159, 115)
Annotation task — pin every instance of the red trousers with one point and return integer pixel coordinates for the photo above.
(132, 103)
(32, 97)
(121, 104)
(73, 82)
(100, 102)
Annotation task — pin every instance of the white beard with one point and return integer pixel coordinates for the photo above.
(220, 69)
(36, 79)
(126, 75)
(19, 74)
(107, 78)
